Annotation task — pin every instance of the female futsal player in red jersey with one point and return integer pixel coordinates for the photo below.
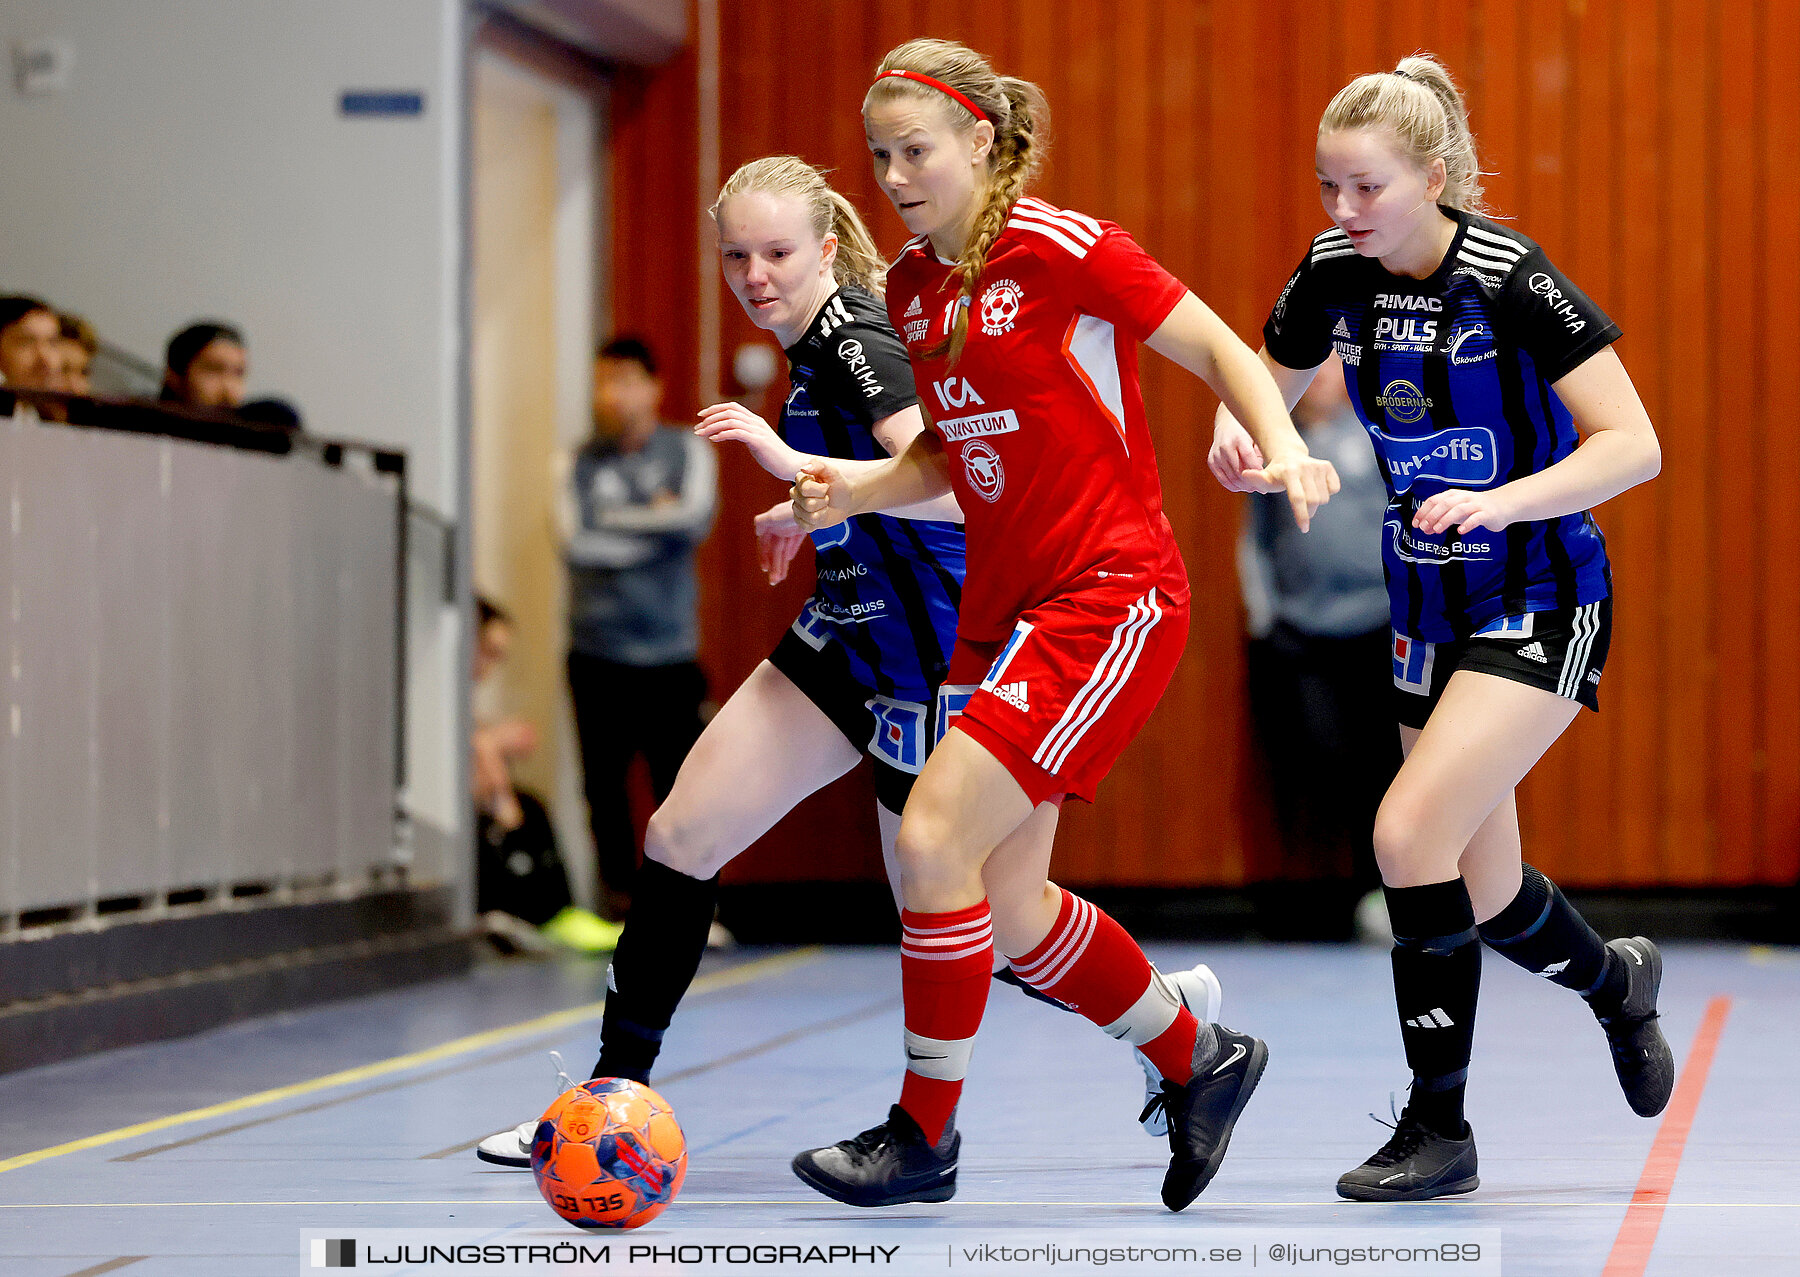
(1022, 321)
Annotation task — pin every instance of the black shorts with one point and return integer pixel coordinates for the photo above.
(1561, 652)
(895, 734)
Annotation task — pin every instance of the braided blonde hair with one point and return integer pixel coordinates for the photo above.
(858, 261)
(1021, 119)
(1420, 104)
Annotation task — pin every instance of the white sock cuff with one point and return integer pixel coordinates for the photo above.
(947, 1060)
(1150, 1016)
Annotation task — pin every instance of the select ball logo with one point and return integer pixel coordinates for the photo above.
(982, 466)
(1000, 307)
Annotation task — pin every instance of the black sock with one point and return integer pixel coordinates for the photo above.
(1542, 932)
(1006, 975)
(1437, 976)
(658, 954)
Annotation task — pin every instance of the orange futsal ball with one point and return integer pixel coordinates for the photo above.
(609, 1154)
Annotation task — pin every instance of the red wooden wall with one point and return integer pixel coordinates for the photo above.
(1648, 144)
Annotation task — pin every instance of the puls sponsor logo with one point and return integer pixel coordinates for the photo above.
(857, 364)
(1560, 305)
(1460, 458)
(1413, 547)
(1405, 332)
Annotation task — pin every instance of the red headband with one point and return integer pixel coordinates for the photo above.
(940, 86)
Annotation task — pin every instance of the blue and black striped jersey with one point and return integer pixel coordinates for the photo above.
(1452, 376)
(888, 588)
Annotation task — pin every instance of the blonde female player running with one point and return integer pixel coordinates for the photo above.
(1471, 360)
(858, 670)
(1023, 322)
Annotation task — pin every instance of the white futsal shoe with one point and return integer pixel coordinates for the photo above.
(1199, 991)
(509, 1148)
(513, 1148)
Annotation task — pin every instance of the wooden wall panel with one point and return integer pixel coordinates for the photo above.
(1648, 146)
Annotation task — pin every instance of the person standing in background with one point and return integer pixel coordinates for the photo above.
(634, 502)
(1316, 610)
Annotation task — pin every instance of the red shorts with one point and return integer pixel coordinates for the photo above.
(1059, 700)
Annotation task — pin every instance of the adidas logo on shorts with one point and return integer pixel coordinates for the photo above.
(1433, 1019)
(1593, 676)
(1342, 330)
(913, 309)
(1014, 694)
(1534, 652)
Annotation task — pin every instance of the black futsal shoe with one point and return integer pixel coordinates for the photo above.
(1641, 1055)
(1202, 1113)
(886, 1165)
(1416, 1164)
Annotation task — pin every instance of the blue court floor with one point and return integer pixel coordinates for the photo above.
(216, 1154)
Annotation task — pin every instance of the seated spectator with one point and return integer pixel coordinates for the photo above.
(30, 344)
(205, 367)
(79, 343)
(521, 884)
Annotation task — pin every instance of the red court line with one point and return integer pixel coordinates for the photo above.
(1637, 1235)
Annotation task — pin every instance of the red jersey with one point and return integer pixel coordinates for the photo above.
(1043, 418)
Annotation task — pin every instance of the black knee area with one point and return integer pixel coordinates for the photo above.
(892, 786)
(1527, 913)
(1545, 934)
(1437, 918)
(658, 954)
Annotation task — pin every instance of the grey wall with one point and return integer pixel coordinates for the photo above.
(196, 164)
(198, 649)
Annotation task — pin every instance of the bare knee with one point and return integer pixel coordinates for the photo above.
(684, 845)
(932, 868)
(1405, 846)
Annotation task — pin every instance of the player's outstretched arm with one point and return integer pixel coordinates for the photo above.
(896, 433)
(827, 491)
(1620, 452)
(1197, 339)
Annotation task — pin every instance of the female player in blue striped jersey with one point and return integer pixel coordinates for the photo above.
(1473, 363)
(859, 669)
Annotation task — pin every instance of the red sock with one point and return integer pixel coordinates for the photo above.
(946, 964)
(1089, 962)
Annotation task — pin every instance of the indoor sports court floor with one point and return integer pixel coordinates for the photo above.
(211, 1156)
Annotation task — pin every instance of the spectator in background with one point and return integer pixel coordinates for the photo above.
(206, 366)
(31, 356)
(633, 503)
(521, 883)
(1319, 672)
(78, 343)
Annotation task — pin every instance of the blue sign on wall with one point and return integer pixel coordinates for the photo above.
(381, 102)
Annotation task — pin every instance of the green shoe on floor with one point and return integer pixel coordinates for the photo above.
(578, 929)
